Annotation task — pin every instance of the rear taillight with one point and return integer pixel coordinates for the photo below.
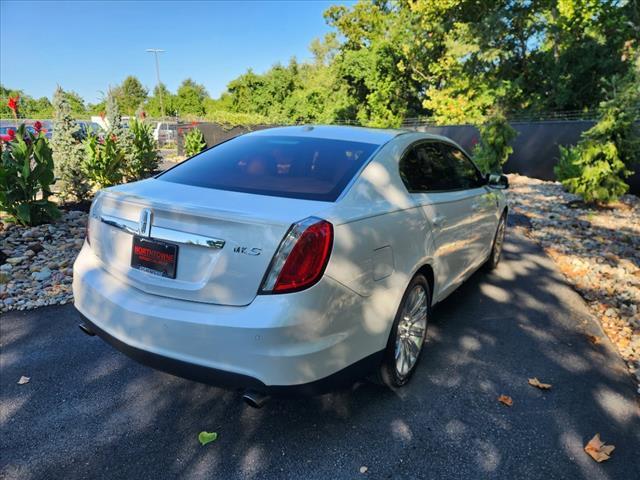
(301, 258)
(93, 213)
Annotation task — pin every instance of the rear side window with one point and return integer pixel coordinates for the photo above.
(281, 166)
(425, 168)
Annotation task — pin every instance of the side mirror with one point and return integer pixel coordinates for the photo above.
(497, 181)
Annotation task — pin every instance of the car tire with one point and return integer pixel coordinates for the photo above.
(498, 242)
(407, 337)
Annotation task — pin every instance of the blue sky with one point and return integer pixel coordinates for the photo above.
(87, 46)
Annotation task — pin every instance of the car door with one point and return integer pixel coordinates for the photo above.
(482, 219)
(433, 184)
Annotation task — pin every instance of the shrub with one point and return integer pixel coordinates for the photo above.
(67, 150)
(103, 161)
(597, 166)
(144, 159)
(118, 130)
(567, 163)
(193, 142)
(494, 148)
(26, 177)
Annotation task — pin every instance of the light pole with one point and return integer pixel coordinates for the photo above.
(155, 52)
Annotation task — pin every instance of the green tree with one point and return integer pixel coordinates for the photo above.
(380, 92)
(68, 152)
(99, 108)
(130, 95)
(76, 104)
(153, 105)
(190, 98)
(29, 107)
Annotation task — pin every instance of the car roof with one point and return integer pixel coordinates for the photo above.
(377, 136)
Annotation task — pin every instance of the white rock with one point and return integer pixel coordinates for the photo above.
(15, 260)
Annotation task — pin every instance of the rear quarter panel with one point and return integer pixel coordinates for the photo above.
(381, 239)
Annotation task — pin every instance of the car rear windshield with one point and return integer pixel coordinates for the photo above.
(282, 166)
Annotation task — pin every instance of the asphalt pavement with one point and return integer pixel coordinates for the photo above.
(90, 412)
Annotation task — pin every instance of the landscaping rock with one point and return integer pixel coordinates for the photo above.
(42, 275)
(38, 260)
(15, 260)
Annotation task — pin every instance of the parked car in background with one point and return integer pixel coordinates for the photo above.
(165, 132)
(89, 128)
(289, 259)
(6, 126)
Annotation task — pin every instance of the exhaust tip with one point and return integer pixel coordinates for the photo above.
(255, 399)
(86, 329)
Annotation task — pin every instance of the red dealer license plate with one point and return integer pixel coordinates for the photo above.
(152, 256)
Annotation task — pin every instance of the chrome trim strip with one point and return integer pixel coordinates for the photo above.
(176, 236)
(167, 234)
(126, 225)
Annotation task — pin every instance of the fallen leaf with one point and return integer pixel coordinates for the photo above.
(363, 469)
(534, 382)
(506, 399)
(207, 437)
(598, 450)
(23, 380)
(594, 339)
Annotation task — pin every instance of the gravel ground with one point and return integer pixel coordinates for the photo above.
(36, 263)
(596, 248)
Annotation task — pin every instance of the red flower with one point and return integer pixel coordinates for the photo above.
(13, 103)
(37, 126)
(143, 115)
(11, 134)
(114, 138)
(194, 124)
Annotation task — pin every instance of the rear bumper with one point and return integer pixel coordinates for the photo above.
(305, 342)
(222, 378)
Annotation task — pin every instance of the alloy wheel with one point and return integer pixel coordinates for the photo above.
(411, 331)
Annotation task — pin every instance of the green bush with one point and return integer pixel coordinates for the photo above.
(68, 153)
(597, 166)
(194, 142)
(597, 171)
(494, 148)
(144, 158)
(567, 163)
(26, 177)
(104, 161)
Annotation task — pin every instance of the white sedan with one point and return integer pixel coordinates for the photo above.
(289, 259)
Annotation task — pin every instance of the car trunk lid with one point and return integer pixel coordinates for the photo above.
(225, 239)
